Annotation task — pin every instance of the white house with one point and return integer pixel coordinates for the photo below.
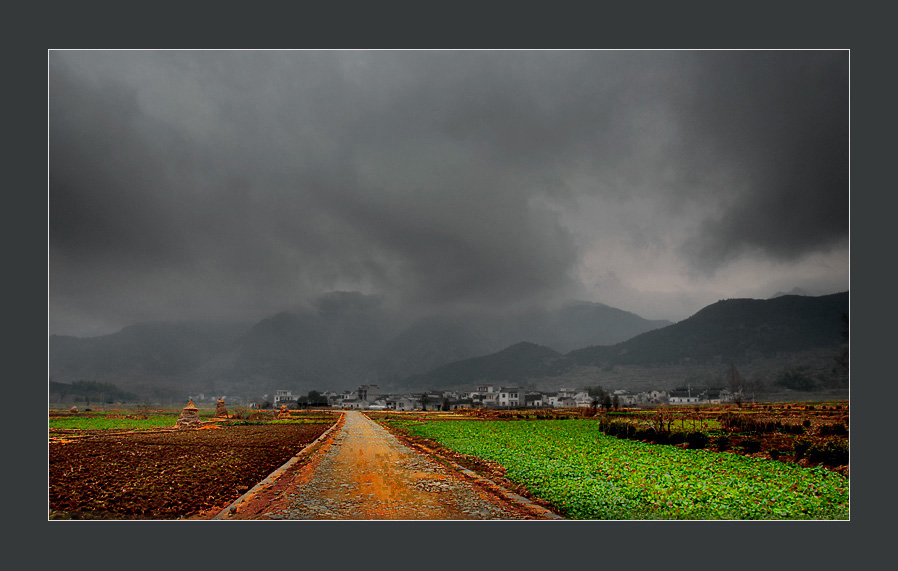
(583, 399)
(400, 403)
(368, 392)
(533, 400)
(683, 396)
(283, 397)
(626, 398)
(718, 396)
(488, 400)
(510, 396)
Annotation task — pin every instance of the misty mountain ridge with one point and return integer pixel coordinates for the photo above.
(731, 330)
(515, 364)
(147, 350)
(793, 291)
(437, 340)
(764, 337)
(341, 340)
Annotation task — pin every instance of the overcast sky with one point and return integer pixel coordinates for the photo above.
(235, 184)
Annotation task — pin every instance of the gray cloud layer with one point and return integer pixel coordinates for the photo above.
(232, 184)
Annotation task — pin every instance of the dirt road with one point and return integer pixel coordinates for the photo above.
(362, 472)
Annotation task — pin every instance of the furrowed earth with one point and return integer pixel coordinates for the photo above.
(166, 473)
(195, 473)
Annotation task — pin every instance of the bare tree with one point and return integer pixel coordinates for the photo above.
(598, 395)
(736, 383)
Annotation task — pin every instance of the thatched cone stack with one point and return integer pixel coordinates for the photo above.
(190, 416)
(284, 413)
(220, 410)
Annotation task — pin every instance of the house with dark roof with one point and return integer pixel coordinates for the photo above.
(533, 400)
(456, 404)
(683, 396)
(511, 397)
(400, 403)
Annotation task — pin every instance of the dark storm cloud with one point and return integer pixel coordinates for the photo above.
(194, 184)
(779, 123)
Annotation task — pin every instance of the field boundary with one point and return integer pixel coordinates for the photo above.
(488, 484)
(492, 486)
(269, 480)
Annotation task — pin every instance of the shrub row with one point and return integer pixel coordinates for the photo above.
(626, 430)
(751, 445)
(743, 423)
(833, 429)
(831, 452)
(697, 440)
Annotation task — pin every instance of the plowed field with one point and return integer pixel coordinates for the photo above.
(165, 473)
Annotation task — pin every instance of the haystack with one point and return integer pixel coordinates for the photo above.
(220, 410)
(284, 413)
(190, 416)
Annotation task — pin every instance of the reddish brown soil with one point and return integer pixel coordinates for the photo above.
(362, 472)
(166, 473)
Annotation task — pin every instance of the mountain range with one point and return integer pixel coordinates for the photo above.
(793, 291)
(766, 339)
(343, 340)
(347, 339)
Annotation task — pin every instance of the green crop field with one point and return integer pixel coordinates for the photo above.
(588, 475)
(103, 423)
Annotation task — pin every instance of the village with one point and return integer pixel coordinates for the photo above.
(370, 397)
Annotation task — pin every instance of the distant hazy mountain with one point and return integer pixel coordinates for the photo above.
(324, 347)
(442, 339)
(734, 330)
(329, 347)
(429, 343)
(793, 291)
(139, 352)
(511, 365)
(343, 340)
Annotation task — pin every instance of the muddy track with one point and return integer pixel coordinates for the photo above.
(360, 471)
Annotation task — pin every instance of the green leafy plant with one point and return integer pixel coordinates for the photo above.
(112, 422)
(586, 474)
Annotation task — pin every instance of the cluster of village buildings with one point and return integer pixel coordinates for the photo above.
(370, 397)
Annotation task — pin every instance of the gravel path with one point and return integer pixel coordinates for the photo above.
(363, 472)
